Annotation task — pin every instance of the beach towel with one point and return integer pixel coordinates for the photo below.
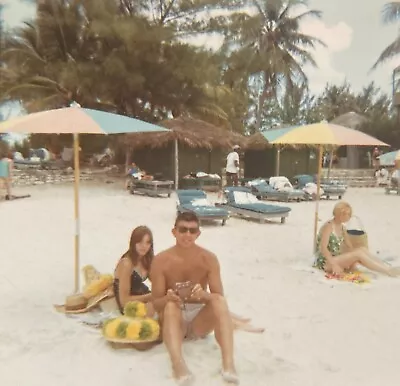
(353, 277)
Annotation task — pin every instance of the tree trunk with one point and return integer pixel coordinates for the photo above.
(261, 100)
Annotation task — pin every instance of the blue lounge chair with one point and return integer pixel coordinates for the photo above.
(263, 190)
(193, 200)
(330, 187)
(242, 202)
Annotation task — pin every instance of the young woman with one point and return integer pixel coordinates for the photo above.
(335, 252)
(132, 271)
(6, 167)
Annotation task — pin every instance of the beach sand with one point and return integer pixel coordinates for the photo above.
(318, 331)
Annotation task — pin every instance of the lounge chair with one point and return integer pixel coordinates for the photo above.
(263, 190)
(394, 186)
(329, 186)
(193, 200)
(240, 201)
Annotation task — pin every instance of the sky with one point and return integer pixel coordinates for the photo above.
(352, 29)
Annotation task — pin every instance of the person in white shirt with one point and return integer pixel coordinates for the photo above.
(232, 167)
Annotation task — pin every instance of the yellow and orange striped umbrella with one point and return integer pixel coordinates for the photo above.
(322, 133)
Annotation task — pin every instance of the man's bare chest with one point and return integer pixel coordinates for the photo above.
(178, 272)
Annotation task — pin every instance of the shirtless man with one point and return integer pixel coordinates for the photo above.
(204, 309)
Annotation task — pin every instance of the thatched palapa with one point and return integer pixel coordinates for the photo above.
(257, 142)
(193, 133)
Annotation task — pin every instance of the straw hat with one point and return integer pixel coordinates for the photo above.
(77, 303)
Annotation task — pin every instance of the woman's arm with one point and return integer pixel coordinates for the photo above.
(323, 245)
(124, 272)
(347, 241)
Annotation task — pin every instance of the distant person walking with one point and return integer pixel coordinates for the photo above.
(232, 167)
(6, 166)
(375, 158)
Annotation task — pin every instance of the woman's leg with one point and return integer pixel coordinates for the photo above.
(349, 259)
(240, 323)
(8, 187)
(150, 310)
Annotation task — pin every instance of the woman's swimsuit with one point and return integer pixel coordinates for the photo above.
(334, 247)
(137, 288)
(4, 168)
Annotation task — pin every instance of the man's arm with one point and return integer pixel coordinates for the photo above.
(236, 160)
(158, 283)
(214, 276)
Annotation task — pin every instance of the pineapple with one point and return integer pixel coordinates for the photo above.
(135, 309)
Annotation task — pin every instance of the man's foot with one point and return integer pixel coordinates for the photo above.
(186, 380)
(230, 377)
(182, 374)
(394, 272)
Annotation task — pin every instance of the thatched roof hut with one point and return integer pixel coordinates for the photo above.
(194, 133)
(257, 142)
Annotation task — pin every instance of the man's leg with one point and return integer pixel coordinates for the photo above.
(228, 179)
(215, 316)
(235, 179)
(173, 332)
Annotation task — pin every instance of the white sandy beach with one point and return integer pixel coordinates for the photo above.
(318, 332)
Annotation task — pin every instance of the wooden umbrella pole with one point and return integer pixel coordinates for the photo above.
(176, 163)
(318, 194)
(76, 201)
(278, 161)
(330, 162)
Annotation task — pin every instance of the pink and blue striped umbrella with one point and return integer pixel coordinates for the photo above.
(76, 120)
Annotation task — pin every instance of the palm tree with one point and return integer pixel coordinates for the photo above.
(89, 52)
(270, 46)
(390, 14)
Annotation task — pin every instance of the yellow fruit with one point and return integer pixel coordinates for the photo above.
(97, 286)
(135, 309)
(133, 330)
(155, 328)
(110, 328)
(150, 329)
(121, 329)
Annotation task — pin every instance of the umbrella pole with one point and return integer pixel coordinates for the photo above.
(76, 201)
(278, 161)
(318, 194)
(176, 163)
(330, 162)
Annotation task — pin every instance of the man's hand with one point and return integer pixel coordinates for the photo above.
(199, 294)
(171, 296)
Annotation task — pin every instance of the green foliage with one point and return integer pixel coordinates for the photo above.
(390, 14)
(269, 46)
(133, 57)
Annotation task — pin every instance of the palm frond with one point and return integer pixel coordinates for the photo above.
(388, 53)
(391, 12)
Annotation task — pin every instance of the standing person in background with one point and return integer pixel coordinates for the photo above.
(375, 160)
(232, 167)
(6, 167)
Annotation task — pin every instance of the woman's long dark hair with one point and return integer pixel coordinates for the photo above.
(136, 237)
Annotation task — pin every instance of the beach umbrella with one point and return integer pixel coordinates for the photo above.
(389, 159)
(76, 120)
(322, 134)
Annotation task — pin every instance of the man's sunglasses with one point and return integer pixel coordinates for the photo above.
(192, 231)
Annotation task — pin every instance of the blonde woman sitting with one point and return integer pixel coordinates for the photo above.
(335, 253)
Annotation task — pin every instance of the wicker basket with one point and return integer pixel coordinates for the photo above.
(357, 233)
